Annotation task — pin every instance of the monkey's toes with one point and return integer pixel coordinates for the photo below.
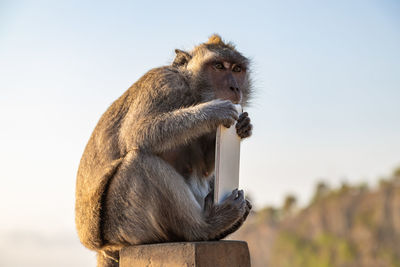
(249, 206)
(234, 194)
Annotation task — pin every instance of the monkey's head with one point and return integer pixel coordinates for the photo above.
(217, 70)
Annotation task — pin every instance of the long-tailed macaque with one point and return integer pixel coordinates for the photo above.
(146, 173)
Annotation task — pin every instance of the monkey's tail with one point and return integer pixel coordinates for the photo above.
(107, 259)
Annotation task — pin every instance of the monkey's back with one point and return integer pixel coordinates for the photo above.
(104, 152)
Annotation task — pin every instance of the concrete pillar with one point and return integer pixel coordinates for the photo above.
(187, 254)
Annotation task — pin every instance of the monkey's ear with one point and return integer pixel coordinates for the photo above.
(181, 58)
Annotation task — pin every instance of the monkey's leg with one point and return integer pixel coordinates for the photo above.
(148, 202)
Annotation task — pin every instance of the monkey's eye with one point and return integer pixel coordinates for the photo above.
(237, 69)
(219, 66)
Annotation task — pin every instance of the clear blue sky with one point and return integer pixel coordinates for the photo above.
(327, 78)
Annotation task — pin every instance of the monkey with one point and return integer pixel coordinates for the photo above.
(146, 174)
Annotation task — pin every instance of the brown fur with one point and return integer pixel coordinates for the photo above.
(148, 166)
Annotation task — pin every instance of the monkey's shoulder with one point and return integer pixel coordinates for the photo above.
(164, 86)
(163, 78)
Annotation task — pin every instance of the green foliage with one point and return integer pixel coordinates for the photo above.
(324, 250)
(363, 187)
(388, 257)
(396, 173)
(289, 203)
(321, 191)
(268, 215)
(347, 226)
(366, 219)
(345, 188)
(383, 183)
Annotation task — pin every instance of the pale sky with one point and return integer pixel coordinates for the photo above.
(327, 101)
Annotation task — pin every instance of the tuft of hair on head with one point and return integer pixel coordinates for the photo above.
(216, 40)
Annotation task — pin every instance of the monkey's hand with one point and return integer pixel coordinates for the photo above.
(221, 112)
(243, 125)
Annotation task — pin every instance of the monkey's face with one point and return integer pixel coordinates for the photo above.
(216, 70)
(226, 79)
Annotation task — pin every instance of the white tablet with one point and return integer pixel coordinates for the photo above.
(227, 159)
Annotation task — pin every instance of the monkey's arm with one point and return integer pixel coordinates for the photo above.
(162, 132)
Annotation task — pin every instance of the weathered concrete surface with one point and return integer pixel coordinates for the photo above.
(187, 254)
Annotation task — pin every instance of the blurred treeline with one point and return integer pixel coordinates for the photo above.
(346, 226)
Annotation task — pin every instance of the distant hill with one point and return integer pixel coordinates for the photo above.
(351, 226)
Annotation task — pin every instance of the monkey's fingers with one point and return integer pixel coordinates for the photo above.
(243, 116)
(225, 112)
(228, 123)
(242, 122)
(245, 131)
(246, 128)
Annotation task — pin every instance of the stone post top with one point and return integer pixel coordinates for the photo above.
(197, 254)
